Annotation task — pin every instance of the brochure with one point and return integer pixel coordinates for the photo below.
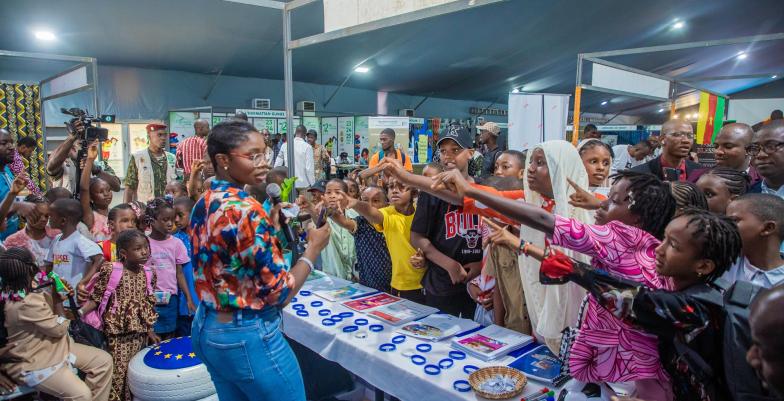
(491, 342)
(370, 302)
(401, 312)
(437, 327)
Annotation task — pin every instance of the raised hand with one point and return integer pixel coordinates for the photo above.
(500, 236)
(347, 202)
(197, 166)
(451, 180)
(318, 237)
(20, 183)
(582, 198)
(92, 151)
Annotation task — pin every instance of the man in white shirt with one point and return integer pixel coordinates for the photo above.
(304, 169)
(628, 156)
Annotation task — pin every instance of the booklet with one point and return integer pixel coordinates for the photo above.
(372, 301)
(542, 365)
(491, 342)
(401, 312)
(342, 293)
(437, 327)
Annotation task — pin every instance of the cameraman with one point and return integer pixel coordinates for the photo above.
(63, 161)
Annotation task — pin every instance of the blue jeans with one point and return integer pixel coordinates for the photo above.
(248, 358)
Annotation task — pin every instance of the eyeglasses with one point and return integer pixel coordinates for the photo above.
(769, 147)
(682, 135)
(258, 159)
(450, 152)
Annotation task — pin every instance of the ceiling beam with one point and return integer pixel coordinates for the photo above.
(297, 4)
(46, 56)
(688, 45)
(425, 13)
(278, 5)
(731, 77)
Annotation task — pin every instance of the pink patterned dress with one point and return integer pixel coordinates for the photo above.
(607, 349)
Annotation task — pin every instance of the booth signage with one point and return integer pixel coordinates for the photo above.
(487, 112)
(255, 113)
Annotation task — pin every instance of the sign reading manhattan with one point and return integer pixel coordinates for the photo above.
(255, 113)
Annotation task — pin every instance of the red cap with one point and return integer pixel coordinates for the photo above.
(155, 127)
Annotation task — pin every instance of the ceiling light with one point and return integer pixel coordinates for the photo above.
(661, 110)
(742, 55)
(361, 70)
(604, 103)
(45, 35)
(774, 76)
(678, 25)
(675, 116)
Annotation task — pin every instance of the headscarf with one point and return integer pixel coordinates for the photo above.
(552, 308)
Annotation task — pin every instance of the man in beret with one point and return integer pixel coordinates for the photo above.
(150, 169)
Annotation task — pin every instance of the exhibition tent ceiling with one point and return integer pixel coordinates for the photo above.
(478, 54)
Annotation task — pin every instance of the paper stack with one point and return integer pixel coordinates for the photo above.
(491, 342)
(437, 327)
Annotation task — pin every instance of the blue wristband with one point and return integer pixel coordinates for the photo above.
(328, 322)
(398, 339)
(432, 370)
(346, 315)
(457, 355)
(305, 293)
(418, 359)
(462, 386)
(324, 312)
(468, 369)
(424, 347)
(445, 363)
(303, 313)
(350, 329)
(387, 347)
(298, 307)
(376, 328)
(336, 318)
(316, 304)
(361, 322)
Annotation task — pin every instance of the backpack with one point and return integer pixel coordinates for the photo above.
(95, 318)
(742, 381)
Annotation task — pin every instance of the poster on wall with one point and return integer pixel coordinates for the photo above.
(378, 124)
(282, 125)
(360, 136)
(346, 136)
(311, 123)
(269, 124)
(137, 137)
(328, 137)
(112, 149)
(181, 123)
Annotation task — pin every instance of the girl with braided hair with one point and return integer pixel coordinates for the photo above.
(687, 194)
(698, 247)
(167, 255)
(721, 185)
(41, 353)
(629, 226)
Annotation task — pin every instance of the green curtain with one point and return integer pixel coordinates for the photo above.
(20, 114)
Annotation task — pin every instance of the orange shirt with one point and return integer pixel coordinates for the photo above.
(474, 207)
(398, 155)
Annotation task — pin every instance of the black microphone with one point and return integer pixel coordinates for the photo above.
(273, 192)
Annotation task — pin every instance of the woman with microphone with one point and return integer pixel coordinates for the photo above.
(241, 277)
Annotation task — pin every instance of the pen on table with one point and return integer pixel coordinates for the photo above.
(536, 394)
(541, 396)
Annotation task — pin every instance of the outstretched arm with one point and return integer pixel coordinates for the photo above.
(531, 216)
(370, 213)
(395, 169)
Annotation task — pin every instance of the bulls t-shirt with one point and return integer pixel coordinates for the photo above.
(453, 233)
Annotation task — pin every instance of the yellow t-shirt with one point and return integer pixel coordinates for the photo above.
(397, 232)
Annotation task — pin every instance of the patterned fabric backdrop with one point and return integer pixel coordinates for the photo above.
(20, 114)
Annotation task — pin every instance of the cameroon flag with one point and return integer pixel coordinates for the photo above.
(711, 117)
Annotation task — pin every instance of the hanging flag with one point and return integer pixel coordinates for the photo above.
(711, 118)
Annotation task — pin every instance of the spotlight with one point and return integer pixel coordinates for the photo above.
(675, 116)
(515, 90)
(604, 103)
(678, 25)
(661, 110)
(774, 76)
(742, 55)
(361, 70)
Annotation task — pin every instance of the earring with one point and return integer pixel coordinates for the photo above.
(699, 274)
(225, 167)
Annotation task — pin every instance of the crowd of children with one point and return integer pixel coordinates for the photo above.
(637, 280)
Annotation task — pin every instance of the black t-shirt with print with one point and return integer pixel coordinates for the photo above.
(453, 233)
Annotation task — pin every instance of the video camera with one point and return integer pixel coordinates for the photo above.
(89, 133)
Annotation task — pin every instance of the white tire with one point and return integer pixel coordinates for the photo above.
(188, 384)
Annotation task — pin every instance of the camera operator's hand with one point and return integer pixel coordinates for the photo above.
(318, 238)
(92, 150)
(75, 127)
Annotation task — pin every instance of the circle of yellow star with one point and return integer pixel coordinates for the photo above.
(178, 357)
(158, 353)
(167, 356)
(192, 355)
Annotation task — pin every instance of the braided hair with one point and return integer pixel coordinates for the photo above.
(155, 206)
(126, 238)
(737, 181)
(17, 269)
(718, 236)
(651, 200)
(687, 194)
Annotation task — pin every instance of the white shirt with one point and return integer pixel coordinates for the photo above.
(623, 160)
(743, 270)
(70, 256)
(304, 167)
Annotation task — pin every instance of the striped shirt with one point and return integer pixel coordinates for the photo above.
(190, 149)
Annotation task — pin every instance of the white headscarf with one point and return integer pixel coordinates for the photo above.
(553, 307)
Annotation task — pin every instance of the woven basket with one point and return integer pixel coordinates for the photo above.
(478, 377)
